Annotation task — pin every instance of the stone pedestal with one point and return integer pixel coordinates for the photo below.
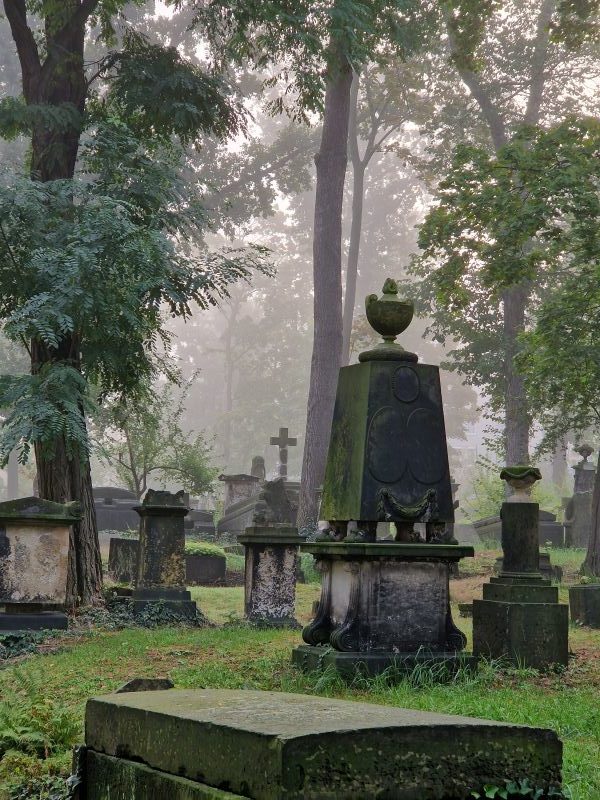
(382, 605)
(519, 617)
(270, 577)
(220, 744)
(34, 551)
(161, 561)
(584, 602)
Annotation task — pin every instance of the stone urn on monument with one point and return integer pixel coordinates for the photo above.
(385, 603)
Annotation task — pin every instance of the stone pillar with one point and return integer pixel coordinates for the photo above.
(519, 617)
(161, 562)
(270, 577)
(34, 552)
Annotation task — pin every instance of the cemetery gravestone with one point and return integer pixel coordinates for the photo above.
(385, 604)
(205, 570)
(283, 441)
(34, 551)
(578, 510)
(270, 574)
(584, 602)
(123, 559)
(115, 508)
(519, 617)
(192, 744)
(161, 563)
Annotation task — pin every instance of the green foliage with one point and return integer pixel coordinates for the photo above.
(512, 790)
(161, 94)
(486, 492)
(33, 723)
(204, 549)
(528, 215)
(18, 118)
(92, 266)
(304, 41)
(144, 441)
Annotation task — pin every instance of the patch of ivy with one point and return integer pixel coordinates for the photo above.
(518, 790)
(118, 614)
(47, 788)
(18, 643)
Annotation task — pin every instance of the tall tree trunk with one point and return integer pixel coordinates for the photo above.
(517, 420)
(331, 162)
(12, 476)
(60, 82)
(358, 193)
(591, 565)
(559, 463)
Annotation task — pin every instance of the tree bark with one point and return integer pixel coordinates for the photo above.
(358, 193)
(58, 81)
(591, 565)
(517, 419)
(331, 162)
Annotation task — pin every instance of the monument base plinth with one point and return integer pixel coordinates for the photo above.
(179, 601)
(33, 621)
(383, 605)
(522, 621)
(314, 659)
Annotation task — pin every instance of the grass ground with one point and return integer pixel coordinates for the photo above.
(49, 689)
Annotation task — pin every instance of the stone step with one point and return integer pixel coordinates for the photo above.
(270, 746)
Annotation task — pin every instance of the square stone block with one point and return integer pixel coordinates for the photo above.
(584, 602)
(530, 634)
(271, 746)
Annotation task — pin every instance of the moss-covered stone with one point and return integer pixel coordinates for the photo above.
(270, 746)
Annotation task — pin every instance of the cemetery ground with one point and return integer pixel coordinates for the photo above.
(43, 693)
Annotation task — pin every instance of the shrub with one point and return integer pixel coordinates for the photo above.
(204, 549)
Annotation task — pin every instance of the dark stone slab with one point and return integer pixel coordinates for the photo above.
(146, 685)
(128, 779)
(584, 602)
(43, 620)
(205, 570)
(271, 746)
(529, 634)
(123, 556)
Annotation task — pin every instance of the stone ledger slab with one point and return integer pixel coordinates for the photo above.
(270, 746)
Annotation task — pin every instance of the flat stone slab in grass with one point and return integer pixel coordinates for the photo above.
(271, 745)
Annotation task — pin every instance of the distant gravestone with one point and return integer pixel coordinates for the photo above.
(123, 559)
(578, 510)
(161, 562)
(34, 551)
(224, 744)
(115, 508)
(270, 574)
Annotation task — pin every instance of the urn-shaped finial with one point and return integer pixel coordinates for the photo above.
(389, 316)
(585, 451)
(520, 478)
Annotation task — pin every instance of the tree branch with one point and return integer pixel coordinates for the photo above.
(29, 57)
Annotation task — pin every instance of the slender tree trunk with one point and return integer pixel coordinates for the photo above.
(358, 193)
(591, 565)
(517, 421)
(60, 82)
(12, 476)
(331, 163)
(559, 463)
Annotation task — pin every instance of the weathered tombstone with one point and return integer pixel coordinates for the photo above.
(161, 563)
(283, 441)
(270, 574)
(584, 602)
(578, 510)
(115, 508)
(385, 604)
(550, 532)
(519, 617)
(239, 487)
(205, 570)
(123, 559)
(224, 744)
(34, 551)
(275, 502)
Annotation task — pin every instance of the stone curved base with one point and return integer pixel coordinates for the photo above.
(315, 659)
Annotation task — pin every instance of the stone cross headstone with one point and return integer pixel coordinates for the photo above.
(283, 441)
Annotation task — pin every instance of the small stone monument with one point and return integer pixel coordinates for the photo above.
(578, 510)
(519, 617)
(283, 441)
(34, 554)
(385, 604)
(270, 574)
(161, 561)
(224, 744)
(584, 602)
(123, 559)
